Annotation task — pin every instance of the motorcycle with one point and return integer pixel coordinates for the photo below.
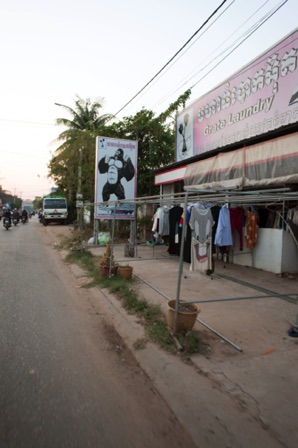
(24, 219)
(15, 221)
(6, 223)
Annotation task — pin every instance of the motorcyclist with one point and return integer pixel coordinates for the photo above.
(25, 213)
(16, 215)
(40, 215)
(7, 214)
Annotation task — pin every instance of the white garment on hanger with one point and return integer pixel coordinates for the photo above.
(201, 255)
(201, 222)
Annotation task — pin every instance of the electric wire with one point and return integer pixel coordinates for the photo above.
(27, 123)
(234, 46)
(166, 96)
(172, 58)
(187, 49)
(176, 60)
(243, 40)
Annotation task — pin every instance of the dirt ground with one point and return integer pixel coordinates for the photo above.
(244, 393)
(136, 409)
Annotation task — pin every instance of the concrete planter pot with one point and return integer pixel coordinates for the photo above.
(186, 316)
(125, 271)
(105, 270)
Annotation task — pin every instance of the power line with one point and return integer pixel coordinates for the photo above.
(172, 58)
(185, 80)
(272, 12)
(229, 50)
(161, 100)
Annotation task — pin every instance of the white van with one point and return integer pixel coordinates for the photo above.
(54, 210)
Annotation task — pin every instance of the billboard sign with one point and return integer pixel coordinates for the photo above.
(115, 178)
(259, 98)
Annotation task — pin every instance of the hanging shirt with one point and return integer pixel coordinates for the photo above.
(201, 222)
(196, 205)
(201, 255)
(295, 217)
(251, 229)
(223, 235)
(155, 225)
(236, 217)
(164, 221)
(174, 218)
(215, 210)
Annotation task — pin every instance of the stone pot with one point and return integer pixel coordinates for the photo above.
(105, 270)
(186, 316)
(125, 271)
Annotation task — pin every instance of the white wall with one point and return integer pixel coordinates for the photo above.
(289, 261)
(274, 252)
(168, 189)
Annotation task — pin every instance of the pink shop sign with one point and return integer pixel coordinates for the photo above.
(259, 98)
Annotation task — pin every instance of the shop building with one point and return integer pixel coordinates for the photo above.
(240, 140)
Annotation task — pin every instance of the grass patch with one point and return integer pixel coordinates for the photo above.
(71, 242)
(140, 344)
(83, 258)
(158, 332)
(192, 343)
(150, 314)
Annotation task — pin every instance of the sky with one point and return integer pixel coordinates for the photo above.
(110, 49)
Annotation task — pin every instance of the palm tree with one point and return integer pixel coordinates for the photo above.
(85, 116)
(77, 150)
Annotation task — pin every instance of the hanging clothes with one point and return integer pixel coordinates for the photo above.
(223, 235)
(215, 215)
(175, 214)
(187, 239)
(201, 255)
(251, 229)
(293, 215)
(155, 225)
(161, 224)
(201, 223)
(164, 223)
(187, 245)
(236, 219)
(293, 230)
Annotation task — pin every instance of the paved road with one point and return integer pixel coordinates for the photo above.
(65, 379)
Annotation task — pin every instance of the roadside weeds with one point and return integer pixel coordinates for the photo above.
(150, 315)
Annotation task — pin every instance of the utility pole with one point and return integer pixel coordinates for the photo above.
(79, 198)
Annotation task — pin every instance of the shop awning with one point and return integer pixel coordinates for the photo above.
(274, 162)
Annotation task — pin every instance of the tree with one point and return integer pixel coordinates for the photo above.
(155, 145)
(155, 135)
(156, 140)
(72, 165)
(85, 117)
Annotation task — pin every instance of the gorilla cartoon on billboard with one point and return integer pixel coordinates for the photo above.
(117, 166)
(116, 177)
